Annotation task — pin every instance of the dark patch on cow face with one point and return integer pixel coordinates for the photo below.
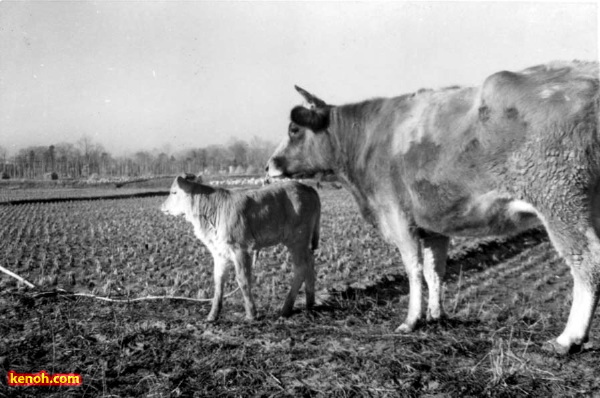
(278, 163)
(511, 113)
(315, 119)
(484, 113)
(302, 154)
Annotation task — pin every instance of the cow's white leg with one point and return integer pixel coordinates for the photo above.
(243, 272)
(301, 269)
(220, 275)
(409, 250)
(582, 253)
(395, 228)
(435, 252)
(411, 258)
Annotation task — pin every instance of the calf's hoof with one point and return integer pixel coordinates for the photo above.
(554, 347)
(250, 318)
(286, 311)
(211, 319)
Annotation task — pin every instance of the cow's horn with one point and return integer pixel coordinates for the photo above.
(311, 99)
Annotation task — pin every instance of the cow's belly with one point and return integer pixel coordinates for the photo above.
(483, 215)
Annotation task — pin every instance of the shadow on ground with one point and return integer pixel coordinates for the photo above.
(477, 259)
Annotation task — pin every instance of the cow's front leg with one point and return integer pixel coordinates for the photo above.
(220, 275)
(396, 229)
(409, 250)
(435, 252)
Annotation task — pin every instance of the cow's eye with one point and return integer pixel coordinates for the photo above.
(294, 130)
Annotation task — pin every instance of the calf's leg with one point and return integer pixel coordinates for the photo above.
(309, 284)
(243, 271)
(302, 270)
(220, 275)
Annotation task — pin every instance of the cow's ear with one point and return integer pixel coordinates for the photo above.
(313, 100)
(184, 184)
(314, 119)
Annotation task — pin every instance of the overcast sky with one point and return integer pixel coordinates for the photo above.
(140, 75)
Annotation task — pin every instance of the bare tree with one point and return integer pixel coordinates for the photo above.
(3, 155)
(239, 152)
(87, 157)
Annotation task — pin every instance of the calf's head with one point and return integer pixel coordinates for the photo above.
(180, 197)
(307, 149)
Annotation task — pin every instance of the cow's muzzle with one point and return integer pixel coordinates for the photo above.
(275, 167)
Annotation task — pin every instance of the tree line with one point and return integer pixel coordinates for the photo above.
(86, 158)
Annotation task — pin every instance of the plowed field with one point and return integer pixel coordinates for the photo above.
(504, 299)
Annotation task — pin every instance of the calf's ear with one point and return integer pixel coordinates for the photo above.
(314, 119)
(184, 184)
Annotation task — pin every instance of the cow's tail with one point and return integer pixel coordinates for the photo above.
(316, 229)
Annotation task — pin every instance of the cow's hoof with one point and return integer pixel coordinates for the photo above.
(553, 347)
(405, 328)
(438, 318)
(211, 319)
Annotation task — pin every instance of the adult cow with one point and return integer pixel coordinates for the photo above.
(521, 150)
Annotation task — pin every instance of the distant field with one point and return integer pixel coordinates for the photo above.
(30, 190)
(505, 298)
(26, 191)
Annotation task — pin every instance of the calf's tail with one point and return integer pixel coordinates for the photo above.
(316, 230)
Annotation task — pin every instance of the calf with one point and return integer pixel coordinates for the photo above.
(232, 224)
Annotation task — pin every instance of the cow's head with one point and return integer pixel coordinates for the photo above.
(180, 197)
(307, 149)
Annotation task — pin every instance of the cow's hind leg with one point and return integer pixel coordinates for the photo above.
(303, 263)
(435, 252)
(580, 247)
(243, 270)
(220, 275)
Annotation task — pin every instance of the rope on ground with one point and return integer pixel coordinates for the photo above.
(17, 277)
(111, 300)
(144, 298)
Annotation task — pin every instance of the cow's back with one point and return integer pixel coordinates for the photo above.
(467, 150)
(541, 129)
(540, 103)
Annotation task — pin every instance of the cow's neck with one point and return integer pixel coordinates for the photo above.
(351, 142)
